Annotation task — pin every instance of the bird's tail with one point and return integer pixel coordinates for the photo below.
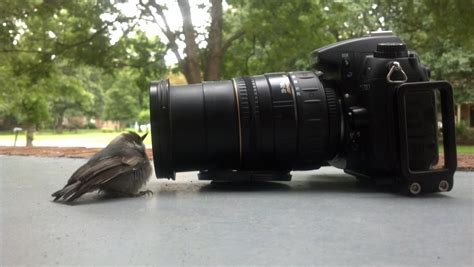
(66, 192)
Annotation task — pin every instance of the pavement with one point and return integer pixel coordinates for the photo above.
(322, 217)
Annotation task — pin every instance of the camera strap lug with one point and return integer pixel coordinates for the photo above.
(396, 67)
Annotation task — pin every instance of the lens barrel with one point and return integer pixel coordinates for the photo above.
(275, 122)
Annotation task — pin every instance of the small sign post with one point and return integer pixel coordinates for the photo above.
(16, 130)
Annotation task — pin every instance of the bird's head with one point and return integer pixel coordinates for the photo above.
(130, 140)
(134, 137)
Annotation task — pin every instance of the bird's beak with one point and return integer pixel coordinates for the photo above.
(144, 136)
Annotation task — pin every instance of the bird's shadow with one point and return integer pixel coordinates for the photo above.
(97, 198)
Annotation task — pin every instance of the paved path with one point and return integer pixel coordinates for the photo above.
(321, 218)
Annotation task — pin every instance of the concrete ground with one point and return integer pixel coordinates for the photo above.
(320, 218)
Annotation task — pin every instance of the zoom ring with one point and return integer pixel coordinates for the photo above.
(250, 119)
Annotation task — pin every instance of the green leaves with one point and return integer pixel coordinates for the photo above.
(122, 98)
(279, 35)
(86, 57)
(62, 58)
(439, 32)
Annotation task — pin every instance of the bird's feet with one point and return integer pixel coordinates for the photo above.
(146, 192)
(114, 193)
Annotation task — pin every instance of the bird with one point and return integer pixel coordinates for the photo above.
(121, 169)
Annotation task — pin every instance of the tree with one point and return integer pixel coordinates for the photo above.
(23, 96)
(194, 60)
(127, 89)
(280, 35)
(122, 98)
(36, 35)
(74, 91)
(437, 31)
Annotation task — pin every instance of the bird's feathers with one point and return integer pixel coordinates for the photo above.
(89, 177)
(124, 155)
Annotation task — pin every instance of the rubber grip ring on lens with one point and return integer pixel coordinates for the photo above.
(249, 114)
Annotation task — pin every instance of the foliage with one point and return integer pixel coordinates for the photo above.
(21, 97)
(464, 135)
(144, 116)
(68, 93)
(121, 102)
(90, 58)
(437, 31)
(281, 34)
(47, 49)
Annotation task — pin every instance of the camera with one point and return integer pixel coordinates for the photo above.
(366, 106)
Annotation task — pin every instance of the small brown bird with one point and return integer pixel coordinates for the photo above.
(120, 169)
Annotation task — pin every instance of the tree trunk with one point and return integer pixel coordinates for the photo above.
(214, 43)
(59, 124)
(190, 65)
(30, 131)
(193, 71)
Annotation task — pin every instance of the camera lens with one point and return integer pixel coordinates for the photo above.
(275, 122)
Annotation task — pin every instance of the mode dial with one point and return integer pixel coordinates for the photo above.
(391, 50)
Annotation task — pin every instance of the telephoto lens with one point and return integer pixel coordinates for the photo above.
(251, 127)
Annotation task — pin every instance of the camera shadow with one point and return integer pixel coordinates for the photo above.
(314, 183)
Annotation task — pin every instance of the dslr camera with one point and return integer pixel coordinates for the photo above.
(366, 106)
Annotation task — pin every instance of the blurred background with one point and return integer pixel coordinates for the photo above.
(76, 72)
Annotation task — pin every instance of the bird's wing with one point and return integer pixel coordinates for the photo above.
(91, 169)
(91, 175)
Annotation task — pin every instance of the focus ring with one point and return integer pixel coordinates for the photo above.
(243, 99)
(250, 120)
(244, 117)
(254, 144)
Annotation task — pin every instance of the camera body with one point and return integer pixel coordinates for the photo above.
(390, 112)
(367, 106)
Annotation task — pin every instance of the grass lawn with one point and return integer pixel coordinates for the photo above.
(465, 149)
(83, 137)
(461, 149)
(80, 137)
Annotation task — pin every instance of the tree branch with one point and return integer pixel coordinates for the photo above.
(24, 51)
(166, 30)
(90, 38)
(60, 47)
(231, 39)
